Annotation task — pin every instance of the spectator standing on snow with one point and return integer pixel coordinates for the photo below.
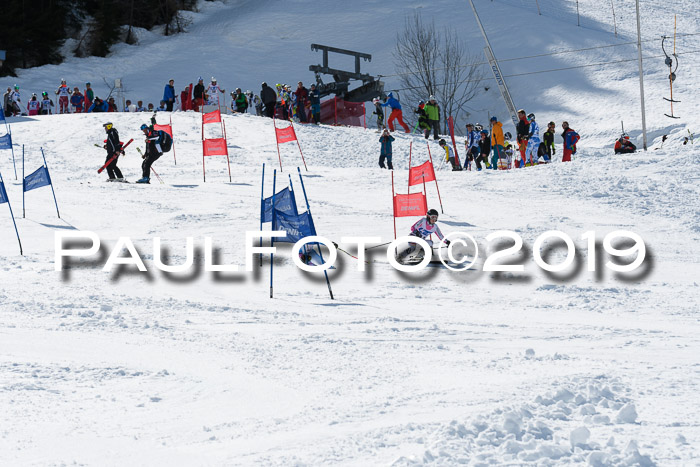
(140, 107)
(533, 142)
(16, 101)
(379, 112)
(522, 131)
(497, 143)
(77, 100)
(269, 99)
(7, 101)
(396, 113)
(89, 96)
(315, 104)
(570, 138)
(169, 95)
(33, 106)
(386, 152)
(213, 92)
(46, 104)
(548, 139)
(302, 95)
(63, 94)
(111, 105)
(432, 111)
(199, 94)
(471, 145)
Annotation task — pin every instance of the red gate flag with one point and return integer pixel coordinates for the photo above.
(215, 147)
(415, 174)
(285, 135)
(166, 128)
(211, 117)
(413, 204)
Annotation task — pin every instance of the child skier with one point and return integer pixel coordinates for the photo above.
(386, 140)
(46, 104)
(423, 122)
(63, 94)
(471, 145)
(113, 147)
(77, 100)
(33, 106)
(450, 155)
(484, 150)
(379, 113)
(533, 142)
(622, 145)
(424, 228)
(548, 138)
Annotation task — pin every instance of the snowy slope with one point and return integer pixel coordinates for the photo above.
(435, 368)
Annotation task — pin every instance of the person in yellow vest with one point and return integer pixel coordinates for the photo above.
(496, 143)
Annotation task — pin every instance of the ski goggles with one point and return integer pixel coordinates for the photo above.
(433, 218)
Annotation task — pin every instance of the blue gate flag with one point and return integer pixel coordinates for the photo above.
(284, 202)
(3, 194)
(39, 178)
(6, 141)
(2, 115)
(297, 226)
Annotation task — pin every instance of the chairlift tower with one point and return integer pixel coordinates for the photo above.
(371, 87)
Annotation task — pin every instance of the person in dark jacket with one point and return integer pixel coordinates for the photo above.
(98, 105)
(315, 101)
(484, 149)
(169, 95)
(302, 95)
(268, 96)
(113, 146)
(386, 140)
(523, 132)
(152, 154)
(423, 122)
(199, 95)
(548, 139)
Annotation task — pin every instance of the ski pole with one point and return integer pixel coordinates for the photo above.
(157, 176)
(377, 246)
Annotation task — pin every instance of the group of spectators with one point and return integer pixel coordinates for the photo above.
(491, 149)
(67, 101)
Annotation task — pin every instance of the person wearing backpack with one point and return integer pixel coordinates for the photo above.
(154, 149)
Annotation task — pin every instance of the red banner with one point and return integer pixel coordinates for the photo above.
(215, 147)
(166, 128)
(284, 135)
(211, 117)
(339, 112)
(413, 204)
(416, 174)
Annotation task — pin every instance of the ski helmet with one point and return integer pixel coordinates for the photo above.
(432, 98)
(484, 132)
(144, 127)
(478, 127)
(200, 79)
(531, 117)
(432, 213)
(507, 136)
(16, 87)
(108, 126)
(494, 119)
(44, 94)
(213, 80)
(442, 142)
(421, 102)
(470, 125)
(375, 100)
(63, 80)
(551, 124)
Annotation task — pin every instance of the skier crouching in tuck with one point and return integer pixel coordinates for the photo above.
(423, 229)
(153, 152)
(113, 147)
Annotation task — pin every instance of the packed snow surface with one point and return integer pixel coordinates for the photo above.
(429, 368)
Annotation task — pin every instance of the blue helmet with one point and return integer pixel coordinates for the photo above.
(144, 127)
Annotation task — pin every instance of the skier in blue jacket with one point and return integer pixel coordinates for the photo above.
(396, 113)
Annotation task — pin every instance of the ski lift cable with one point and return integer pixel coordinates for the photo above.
(555, 69)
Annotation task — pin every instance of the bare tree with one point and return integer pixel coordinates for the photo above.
(431, 62)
